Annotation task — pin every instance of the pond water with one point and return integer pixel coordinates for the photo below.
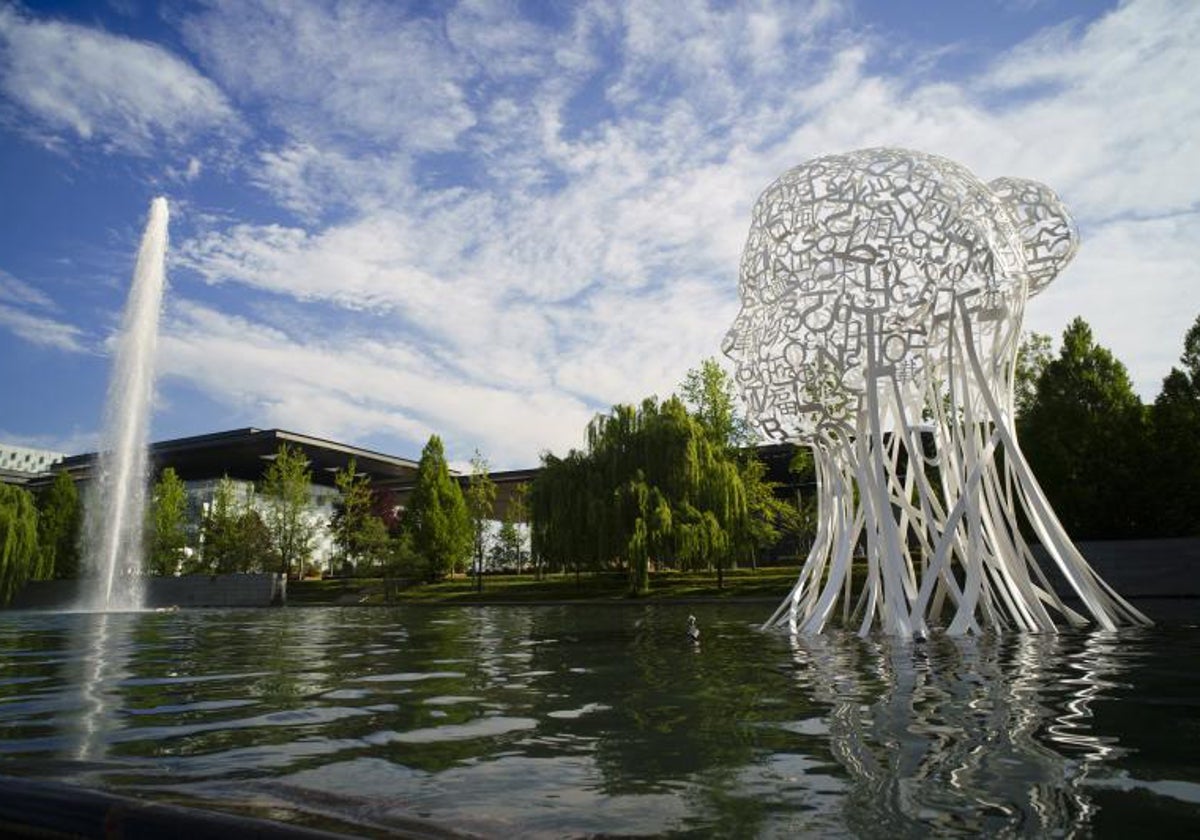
(582, 720)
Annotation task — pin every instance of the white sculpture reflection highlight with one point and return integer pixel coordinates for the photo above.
(933, 736)
(883, 293)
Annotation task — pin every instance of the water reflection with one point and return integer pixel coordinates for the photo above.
(964, 735)
(104, 641)
(562, 721)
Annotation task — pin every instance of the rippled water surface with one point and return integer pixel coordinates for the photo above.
(569, 721)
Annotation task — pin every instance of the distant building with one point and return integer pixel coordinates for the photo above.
(243, 455)
(19, 464)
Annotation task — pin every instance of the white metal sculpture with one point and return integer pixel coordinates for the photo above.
(883, 293)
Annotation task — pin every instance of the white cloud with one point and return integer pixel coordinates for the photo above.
(19, 292)
(41, 330)
(495, 38)
(345, 72)
(592, 259)
(17, 299)
(345, 387)
(73, 443)
(1114, 122)
(1135, 283)
(126, 95)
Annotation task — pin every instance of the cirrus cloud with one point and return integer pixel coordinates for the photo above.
(128, 96)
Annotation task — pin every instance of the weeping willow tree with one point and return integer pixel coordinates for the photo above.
(652, 488)
(20, 559)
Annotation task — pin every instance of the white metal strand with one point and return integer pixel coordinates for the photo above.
(883, 297)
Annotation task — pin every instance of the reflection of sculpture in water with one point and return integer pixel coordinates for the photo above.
(883, 293)
(965, 737)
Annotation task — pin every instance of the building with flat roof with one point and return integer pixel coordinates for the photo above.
(20, 464)
(244, 454)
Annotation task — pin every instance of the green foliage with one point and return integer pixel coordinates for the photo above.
(437, 516)
(509, 549)
(1085, 437)
(285, 492)
(653, 487)
(769, 517)
(60, 517)
(804, 472)
(402, 560)
(1035, 353)
(359, 534)
(481, 500)
(220, 542)
(167, 524)
(235, 538)
(256, 552)
(1191, 354)
(1175, 437)
(20, 559)
(375, 547)
(709, 393)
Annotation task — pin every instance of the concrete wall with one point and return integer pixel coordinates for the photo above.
(1146, 568)
(216, 591)
(187, 591)
(1159, 577)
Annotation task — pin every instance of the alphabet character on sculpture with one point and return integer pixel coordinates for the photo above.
(883, 293)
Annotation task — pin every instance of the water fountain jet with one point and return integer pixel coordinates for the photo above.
(117, 497)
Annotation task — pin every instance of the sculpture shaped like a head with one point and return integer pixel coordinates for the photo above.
(856, 264)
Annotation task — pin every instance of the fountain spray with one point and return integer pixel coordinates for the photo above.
(117, 498)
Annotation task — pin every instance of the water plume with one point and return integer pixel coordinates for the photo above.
(117, 498)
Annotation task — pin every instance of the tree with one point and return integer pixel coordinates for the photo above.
(1084, 436)
(481, 499)
(235, 538)
(652, 487)
(1033, 356)
(285, 491)
(510, 539)
(1191, 354)
(20, 559)
(437, 515)
(219, 531)
(168, 524)
(254, 549)
(60, 517)
(356, 530)
(708, 391)
(401, 560)
(1175, 439)
(507, 551)
(768, 518)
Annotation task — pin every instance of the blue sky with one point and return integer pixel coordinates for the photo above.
(490, 220)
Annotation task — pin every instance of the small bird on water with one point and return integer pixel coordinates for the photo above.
(692, 630)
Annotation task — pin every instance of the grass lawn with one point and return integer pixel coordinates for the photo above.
(768, 583)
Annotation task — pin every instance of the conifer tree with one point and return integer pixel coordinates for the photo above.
(1175, 436)
(1084, 434)
(437, 515)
